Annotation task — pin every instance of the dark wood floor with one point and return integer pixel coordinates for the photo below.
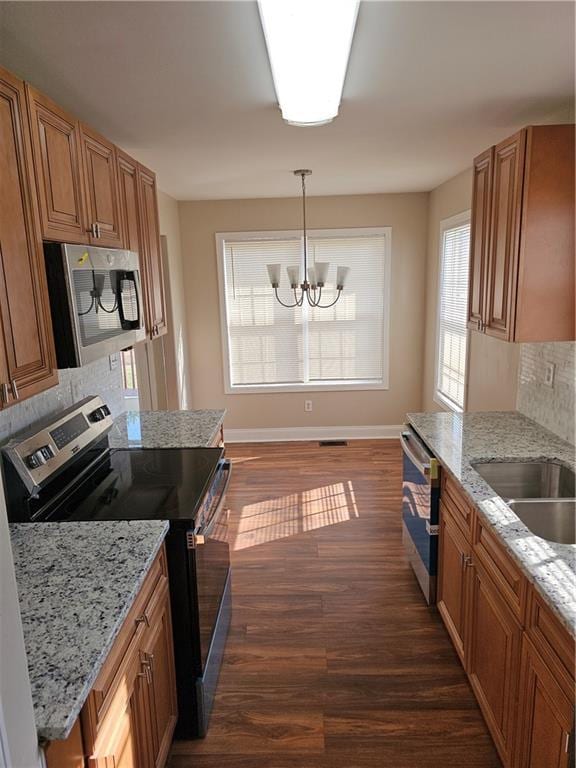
(333, 660)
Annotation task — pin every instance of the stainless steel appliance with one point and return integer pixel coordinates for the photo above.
(64, 470)
(95, 301)
(420, 510)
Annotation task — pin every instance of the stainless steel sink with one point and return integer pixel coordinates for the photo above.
(528, 480)
(552, 519)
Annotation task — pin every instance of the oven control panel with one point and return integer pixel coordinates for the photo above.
(47, 448)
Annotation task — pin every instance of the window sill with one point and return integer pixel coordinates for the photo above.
(339, 386)
(446, 404)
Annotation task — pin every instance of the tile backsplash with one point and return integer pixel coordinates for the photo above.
(96, 378)
(551, 406)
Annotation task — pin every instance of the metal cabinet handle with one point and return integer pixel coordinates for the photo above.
(4, 393)
(143, 619)
(479, 324)
(465, 560)
(146, 672)
(98, 230)
(14, 389)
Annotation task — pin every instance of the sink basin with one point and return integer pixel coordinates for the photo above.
(528, 480)
(552, 519)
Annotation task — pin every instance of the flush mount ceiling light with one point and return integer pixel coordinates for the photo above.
(315, 277)
(308, 45)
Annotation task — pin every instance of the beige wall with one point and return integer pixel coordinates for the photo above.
(405, 213)
(492, 364)
(169, 355)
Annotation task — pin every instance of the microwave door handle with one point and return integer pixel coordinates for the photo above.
(127, 325)
(423, 468)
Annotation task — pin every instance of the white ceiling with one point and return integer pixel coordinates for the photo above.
(187, 88)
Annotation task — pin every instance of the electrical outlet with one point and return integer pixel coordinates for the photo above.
(113, 361)
(549, 373)
(308, 405)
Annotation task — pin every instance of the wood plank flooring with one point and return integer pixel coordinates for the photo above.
(333, 660)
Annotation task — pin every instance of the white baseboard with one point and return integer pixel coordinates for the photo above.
(290, 434)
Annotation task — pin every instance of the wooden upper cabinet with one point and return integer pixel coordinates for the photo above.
(154, 273)
(504, 236)
(27, 359)
(522, 237)
(545, 308)
(129, 208)
(102, 195)
(480, 236)
(58, 169)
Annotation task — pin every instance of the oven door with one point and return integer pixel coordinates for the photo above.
(105, 298)
(211, 557)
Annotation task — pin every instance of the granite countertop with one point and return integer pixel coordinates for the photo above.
(457, 440)
(76, 584)
(166, 429)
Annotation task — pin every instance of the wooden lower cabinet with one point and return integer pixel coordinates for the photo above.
(519, 658)
(493, 657)
(545, 716)
(129, 716)
(160, 693)
(122, 742)
(453, 579)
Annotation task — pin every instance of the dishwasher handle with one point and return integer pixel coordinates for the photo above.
(426, 464)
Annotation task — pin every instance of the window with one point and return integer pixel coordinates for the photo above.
(452, 311)
(268, 347)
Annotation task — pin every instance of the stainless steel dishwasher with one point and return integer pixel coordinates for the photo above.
(420, 510)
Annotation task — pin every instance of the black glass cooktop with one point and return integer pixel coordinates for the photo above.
(138, 484)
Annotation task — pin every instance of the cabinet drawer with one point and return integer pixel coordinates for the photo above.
(125, 646)
(459, 507)
(550, 637)
(500, 566)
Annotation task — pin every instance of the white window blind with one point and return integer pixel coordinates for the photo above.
(270, 346)
(452, 312)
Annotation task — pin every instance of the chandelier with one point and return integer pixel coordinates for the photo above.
(314, 279)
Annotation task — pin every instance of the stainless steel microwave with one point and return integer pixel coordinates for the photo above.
(95, 301)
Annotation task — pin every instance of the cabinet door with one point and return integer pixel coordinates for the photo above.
(158, 653)
(102, 200)
(545, 714)
(58, 170)
(27, 359)
(492, 659)
(454, 557)
(508, 177)
(154, 283)
(480, 237)
(129, 211)
(123, 740)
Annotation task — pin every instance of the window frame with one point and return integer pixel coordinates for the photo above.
(458, 220)
(337, 386)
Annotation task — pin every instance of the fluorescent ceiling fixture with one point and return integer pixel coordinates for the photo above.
(308, 45)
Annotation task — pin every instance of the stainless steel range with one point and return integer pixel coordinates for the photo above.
(65, 470)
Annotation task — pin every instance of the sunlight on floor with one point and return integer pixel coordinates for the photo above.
(277, 518)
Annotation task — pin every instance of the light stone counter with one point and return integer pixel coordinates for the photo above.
(166, 429)
(458, 440)
(76, 584)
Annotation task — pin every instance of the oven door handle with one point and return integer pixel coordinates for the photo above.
(199, 535)
(423, 468)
